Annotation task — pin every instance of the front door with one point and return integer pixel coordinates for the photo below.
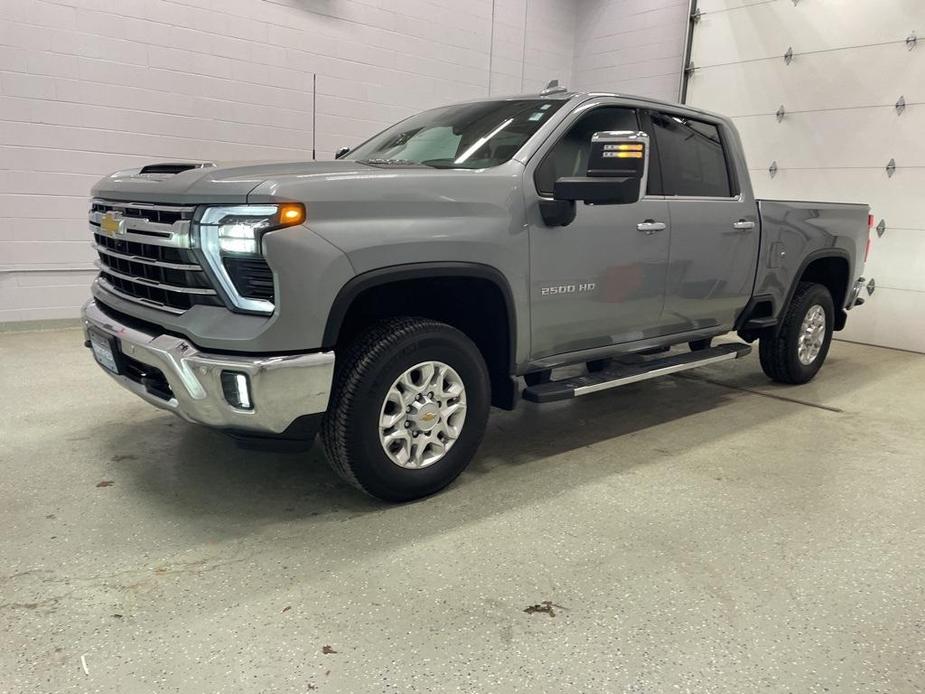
(601, 279)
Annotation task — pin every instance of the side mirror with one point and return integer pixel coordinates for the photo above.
(618, 169)
(341, 151)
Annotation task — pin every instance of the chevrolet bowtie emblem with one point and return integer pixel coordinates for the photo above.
(111, 225)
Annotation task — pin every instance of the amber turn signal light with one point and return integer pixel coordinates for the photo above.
(291, 213)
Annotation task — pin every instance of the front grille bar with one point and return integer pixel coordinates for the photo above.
(138, 228)
(143, 206)
(138, 299)
(152, 283)
(138, 224)
(146, 261)
(175, 235)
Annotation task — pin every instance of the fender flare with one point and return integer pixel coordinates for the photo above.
(410, 271)
(820, 254)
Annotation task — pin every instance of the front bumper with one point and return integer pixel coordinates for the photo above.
(282, 388)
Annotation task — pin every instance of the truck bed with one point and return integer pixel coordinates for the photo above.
(795, 232)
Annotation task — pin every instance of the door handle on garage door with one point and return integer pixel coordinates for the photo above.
(650, 226)
(743, 225)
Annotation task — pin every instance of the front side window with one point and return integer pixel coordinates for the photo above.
(466, 136)
(569, 156)
(691, 157)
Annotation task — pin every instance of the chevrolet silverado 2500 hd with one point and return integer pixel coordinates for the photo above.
(449, 263)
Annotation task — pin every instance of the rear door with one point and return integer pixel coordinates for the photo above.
(714, 228)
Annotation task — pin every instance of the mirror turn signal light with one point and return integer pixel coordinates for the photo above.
(624, 150)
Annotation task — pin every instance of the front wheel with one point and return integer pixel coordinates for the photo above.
(408, 409)
(796, 353)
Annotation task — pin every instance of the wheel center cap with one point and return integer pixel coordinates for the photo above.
(425, 415)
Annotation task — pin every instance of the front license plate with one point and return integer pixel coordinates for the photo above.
(104, 351)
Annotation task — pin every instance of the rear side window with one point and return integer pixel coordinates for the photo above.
(691, 156)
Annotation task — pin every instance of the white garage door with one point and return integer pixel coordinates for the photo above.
(852, 61)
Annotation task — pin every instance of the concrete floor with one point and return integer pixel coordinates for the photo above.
(702, 533)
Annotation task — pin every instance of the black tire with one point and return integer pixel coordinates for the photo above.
(368, 368)
(779, 353)
(698, 345)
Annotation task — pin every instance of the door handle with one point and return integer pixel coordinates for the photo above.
(650, 226)
(743, 225)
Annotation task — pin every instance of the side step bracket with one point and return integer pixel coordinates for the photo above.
(626, 371)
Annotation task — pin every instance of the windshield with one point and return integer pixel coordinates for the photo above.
(468, 136)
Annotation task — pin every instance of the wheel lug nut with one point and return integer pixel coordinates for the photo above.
(407, 425)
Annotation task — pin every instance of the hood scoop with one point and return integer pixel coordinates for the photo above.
(172, 168)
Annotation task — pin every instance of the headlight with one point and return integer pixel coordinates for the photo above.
(229, 235)
(238, 229)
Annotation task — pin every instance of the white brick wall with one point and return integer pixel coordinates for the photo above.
(91, 86)
(630, 46)
(532, 43)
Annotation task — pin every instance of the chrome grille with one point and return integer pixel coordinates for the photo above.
(148, 259)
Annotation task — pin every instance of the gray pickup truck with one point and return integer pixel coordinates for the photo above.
(388, 298)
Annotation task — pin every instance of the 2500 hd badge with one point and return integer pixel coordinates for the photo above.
(568, 289)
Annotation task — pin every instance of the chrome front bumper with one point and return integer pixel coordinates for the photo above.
(282, 388)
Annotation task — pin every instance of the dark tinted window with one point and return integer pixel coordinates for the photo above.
(569, 156)
(691, 157)
(465, 136)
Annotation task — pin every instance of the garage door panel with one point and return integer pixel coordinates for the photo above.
(887, 319)
(841, 79)
(897, 260)
(840, 127)
(897, 199)
(768, 29)
(723, 5)
(843, 138)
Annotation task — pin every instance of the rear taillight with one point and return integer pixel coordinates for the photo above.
(870, 225)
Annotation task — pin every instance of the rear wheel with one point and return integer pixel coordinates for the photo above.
(798, 350)
(408, 409)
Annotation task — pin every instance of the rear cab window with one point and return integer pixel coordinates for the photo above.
(692, 158)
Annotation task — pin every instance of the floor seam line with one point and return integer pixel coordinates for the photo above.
(782, 398)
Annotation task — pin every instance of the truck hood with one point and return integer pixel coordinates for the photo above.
(227, 182)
